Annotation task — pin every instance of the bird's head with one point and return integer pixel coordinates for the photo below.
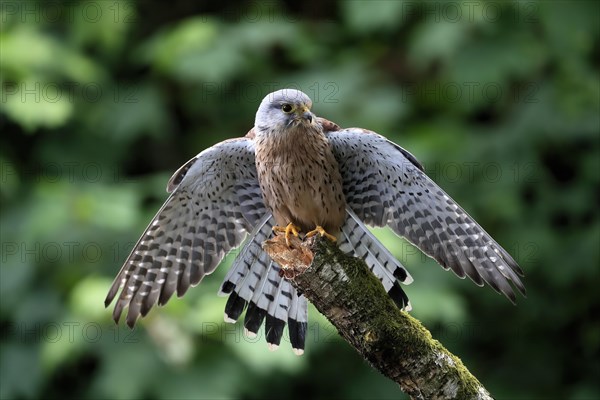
(285, 109)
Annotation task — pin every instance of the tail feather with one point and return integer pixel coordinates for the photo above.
(358, 240)
(254, 284)
(254, 280)
(246, 260)
(297, 323)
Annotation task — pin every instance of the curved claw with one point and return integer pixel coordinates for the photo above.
(319, 229)
(290, 229)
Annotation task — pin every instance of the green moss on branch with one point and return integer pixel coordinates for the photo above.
(392, 341)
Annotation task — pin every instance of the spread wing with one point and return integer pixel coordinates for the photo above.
(215, 201)
(385, 185)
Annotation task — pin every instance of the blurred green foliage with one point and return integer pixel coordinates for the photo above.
(103, 100)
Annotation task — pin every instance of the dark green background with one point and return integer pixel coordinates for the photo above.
(103, 100)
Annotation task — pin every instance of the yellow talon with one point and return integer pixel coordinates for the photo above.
(319, 229)
(290, 229)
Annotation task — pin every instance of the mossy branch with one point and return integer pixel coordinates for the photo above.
(344, 290)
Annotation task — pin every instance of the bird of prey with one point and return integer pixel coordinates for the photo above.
(299, 174)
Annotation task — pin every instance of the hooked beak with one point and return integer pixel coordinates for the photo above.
(302, 115)
(308, 116)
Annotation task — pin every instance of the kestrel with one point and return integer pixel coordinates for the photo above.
(299, 174)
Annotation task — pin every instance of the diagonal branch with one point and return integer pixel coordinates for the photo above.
(396, 344)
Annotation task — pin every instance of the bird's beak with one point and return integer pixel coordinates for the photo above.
(306, 115)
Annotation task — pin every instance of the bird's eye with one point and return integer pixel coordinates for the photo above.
(286, 108)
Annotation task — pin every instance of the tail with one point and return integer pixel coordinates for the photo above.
(254, 281)
(356, 239)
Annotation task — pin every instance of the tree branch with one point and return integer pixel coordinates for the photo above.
(344, 290)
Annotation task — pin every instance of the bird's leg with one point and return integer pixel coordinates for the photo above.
(319, 229)
(290, 229)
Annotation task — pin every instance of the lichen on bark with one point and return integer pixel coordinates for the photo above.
(344, 290)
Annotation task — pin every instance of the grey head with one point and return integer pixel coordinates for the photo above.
(285, 109)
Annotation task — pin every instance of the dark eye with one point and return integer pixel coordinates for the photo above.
(286, 108)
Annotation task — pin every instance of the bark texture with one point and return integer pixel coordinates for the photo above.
(344, 290)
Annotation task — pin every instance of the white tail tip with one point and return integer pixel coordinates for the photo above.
(228, 320)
